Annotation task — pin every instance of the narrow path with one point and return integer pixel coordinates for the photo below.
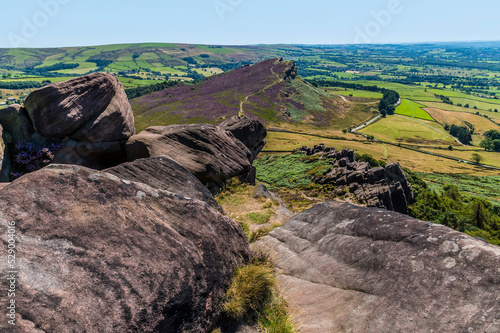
(345, 99)
(279, 79)
(366, 124)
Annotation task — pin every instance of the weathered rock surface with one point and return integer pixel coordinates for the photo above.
(5, 160)
(212, 154)
(16, 123)
(249, 131)
(100, 254)
(353, 269)
(374, 187)
(165, 174)
(91, 108)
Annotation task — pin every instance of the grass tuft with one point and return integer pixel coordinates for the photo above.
(254, 296)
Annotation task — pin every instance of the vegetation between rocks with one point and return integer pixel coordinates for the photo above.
(254, 297)
(456, 209)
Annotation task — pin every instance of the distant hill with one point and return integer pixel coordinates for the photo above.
(269, 91)
(160, 57)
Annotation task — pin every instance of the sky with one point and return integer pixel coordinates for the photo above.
(58, 23)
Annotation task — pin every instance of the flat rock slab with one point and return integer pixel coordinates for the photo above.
(352, 269)
(96, 253)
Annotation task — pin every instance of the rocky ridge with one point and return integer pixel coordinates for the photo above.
(385, 187)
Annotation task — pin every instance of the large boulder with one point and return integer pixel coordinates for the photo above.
(249, 131)
(92, 108)
(96, 253)
(16, 122)
(212, 154)
(353, 269)
(5, 159)
(165, 174)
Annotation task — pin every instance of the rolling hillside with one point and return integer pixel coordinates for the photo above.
(269, 91)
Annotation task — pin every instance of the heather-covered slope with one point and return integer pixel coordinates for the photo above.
(269, 91)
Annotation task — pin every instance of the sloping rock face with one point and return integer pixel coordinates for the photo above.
(374, 187)
(249, 131)
(165, 174)
(354, 269)
(92, 108)
(212, 154)
(252, 134)
(99, 254)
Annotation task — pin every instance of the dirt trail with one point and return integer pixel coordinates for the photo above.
(241, 113)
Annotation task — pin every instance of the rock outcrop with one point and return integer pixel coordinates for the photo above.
(353, 269)
(89, 115)
(97, 253)
(209, 152)
(165, 174)
(16, 124)
(385, 187)
(5, 160)
(91, 108)
(252, 134)
(249, 131)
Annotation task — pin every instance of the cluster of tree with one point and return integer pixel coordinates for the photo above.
(462, 133)
(456, 210)
(101, 63)
(491, 141)
(146, 90)
(387, 104)
(190, 60)
(45, 71)
(445, 99)
(195, 75)
(15, 85)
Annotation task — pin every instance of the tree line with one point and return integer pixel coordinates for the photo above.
(146, 90)
(491, 141)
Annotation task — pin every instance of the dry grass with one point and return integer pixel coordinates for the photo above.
(253, 214)
(481, 124)
(415, 161)
(250, 288)
(254, 296)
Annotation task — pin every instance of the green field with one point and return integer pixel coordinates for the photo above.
(356, 93)
(412, 109)
(217, 50)
(484, 187)
(417, 93)
(405, 129)
(460, 95)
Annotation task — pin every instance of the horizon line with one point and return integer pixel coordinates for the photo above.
(265, 44)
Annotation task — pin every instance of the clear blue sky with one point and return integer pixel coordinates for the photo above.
(27, 23)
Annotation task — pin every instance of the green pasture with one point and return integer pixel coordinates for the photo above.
(405, 129)
(412, 109)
